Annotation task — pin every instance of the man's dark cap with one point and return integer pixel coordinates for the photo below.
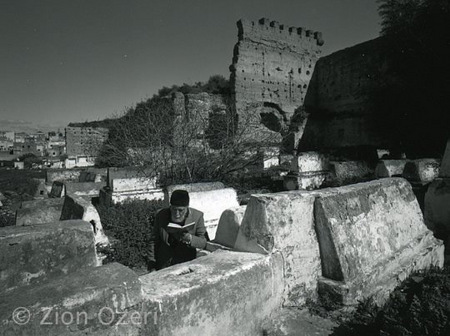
(179, 198)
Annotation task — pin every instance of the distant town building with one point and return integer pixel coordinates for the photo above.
(83, 145)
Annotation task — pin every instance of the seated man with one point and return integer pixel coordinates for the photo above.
(177, 232)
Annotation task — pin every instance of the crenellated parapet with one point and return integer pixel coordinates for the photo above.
(268, 30)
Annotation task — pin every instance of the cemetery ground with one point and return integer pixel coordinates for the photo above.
(419, 306)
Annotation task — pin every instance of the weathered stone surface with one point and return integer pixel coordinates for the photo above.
(192, 187)
(228, 227)
(108, 197)
(298, 322)
(272, 65)
(304, 181)
(223, 293)
(421, 170)
(133, 183)
(76, 207)
(94, 301)
(126, 173)
(53, 175)
(84, 188)
(437, 209)
(34, 254)
(445, 165)
(213, 203)
(346, 172)
(370, 234)
(309, 162)
(74, 175)
(39, 211)
(283, 222)
(390, 168)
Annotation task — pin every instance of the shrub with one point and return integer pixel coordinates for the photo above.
(129, 224)
(419, 306)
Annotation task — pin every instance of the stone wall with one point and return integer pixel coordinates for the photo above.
(273, 65)
(339, 99)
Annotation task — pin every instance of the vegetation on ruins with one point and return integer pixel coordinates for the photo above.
(419, 306)
(179, 149)
(413, 100)
(129, 226)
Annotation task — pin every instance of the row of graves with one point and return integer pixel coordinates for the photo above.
(265, 260)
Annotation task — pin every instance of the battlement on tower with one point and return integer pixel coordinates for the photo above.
(268, 30)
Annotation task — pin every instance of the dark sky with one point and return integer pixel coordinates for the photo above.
(78, 60)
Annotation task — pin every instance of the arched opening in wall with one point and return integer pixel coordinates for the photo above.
(273, 117)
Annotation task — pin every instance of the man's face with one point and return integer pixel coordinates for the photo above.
(178, 213)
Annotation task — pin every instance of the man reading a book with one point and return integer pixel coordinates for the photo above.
(177, 232)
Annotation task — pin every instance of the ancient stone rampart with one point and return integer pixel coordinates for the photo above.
(340, 100)
(273, 64)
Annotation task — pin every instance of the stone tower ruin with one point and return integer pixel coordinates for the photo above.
(271, 70)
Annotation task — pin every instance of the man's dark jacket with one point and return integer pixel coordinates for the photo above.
(164, 250)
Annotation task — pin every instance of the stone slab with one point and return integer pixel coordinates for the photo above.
(94, 301)
(76, 207)
(421, 170)
(379, 282)
(390, 168)
(44, 213)
(62, 175)
(126, 173)
(347, 172)
(35, 254)
(283, 222)
(133, 183)
(228, 227)
(223, 293)
(309, 162)
(365, 227)
(304, 181)
(108, 197)
(84, 188)
(192, 187)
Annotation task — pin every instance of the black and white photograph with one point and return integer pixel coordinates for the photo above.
(225, 168)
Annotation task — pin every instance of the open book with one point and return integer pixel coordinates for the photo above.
(173, 227)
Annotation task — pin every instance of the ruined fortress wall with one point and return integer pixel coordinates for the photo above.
(273, 63)
(340, 98)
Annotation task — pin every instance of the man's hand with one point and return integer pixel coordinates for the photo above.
(186, 238)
